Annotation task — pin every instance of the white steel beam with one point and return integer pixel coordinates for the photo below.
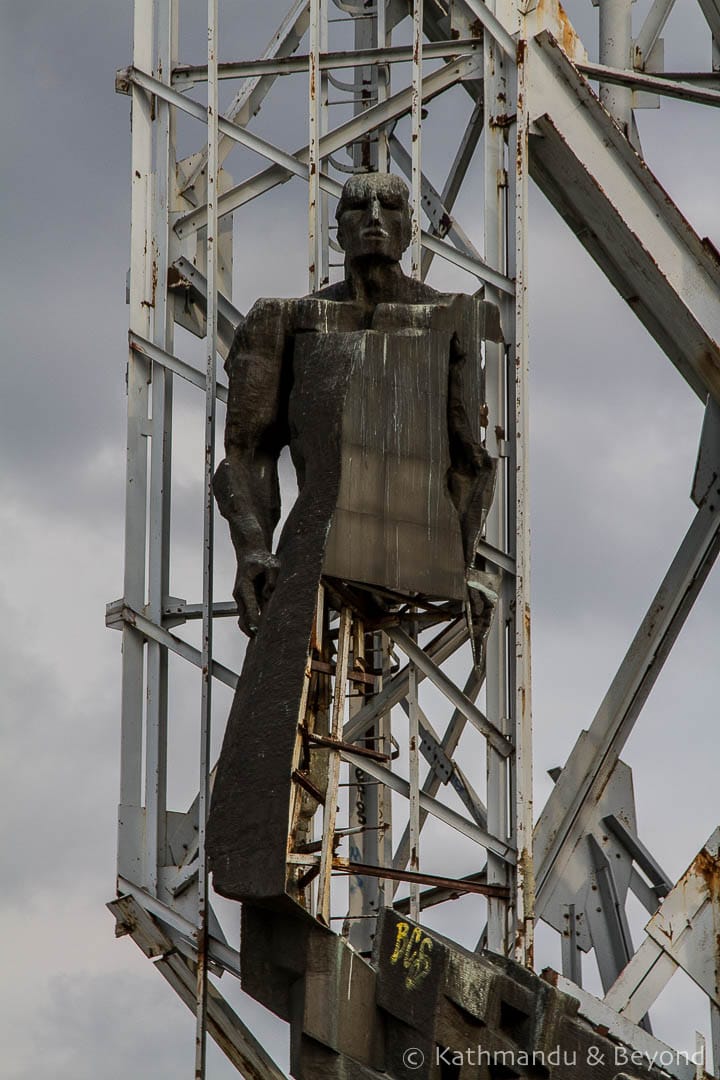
(565, 819)
(453, 693)
(288, 165)
(188, 75)
(658, 84)
(206, 650)
(138, 380)
(521, 771)
(432, 782)
(151, 630)
(443, 224)
(682, 933)
(250, 97)
(161, 358)
(498, 100)
(224, 1025)
(620, 1028)
(416, 140)
(414, 791)
(348, 132)
(652, 28)
(504, 849)
(160, 457)
(711, 11)
(396, 688)
(314, 227)
(457, 173)
(624, 218)
(615, 50)
(494, 26)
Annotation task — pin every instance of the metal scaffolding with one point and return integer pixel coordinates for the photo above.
(525, 73)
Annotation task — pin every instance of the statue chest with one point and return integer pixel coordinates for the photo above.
(369, 408)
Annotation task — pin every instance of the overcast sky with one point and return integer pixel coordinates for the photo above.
(614, 438)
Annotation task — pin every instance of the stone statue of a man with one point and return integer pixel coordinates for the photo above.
(376, 385)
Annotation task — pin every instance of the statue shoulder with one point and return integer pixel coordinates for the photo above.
(261, 333)
(480, 317)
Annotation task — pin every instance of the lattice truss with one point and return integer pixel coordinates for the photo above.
(389, 809)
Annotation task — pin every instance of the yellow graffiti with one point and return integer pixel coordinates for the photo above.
(414, 950)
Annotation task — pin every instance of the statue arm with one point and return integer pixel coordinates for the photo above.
(246, 483)
(471, 477)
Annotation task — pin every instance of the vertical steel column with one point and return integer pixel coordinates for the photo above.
(497, 91)
(616, 49)
(366, 798)
(336, 730)
(521, 807)
(414, 778)
(314, 232)
(138, 378)
(324, 198)
(384, 37)
(208, 537)
(365, 150)
(715, 1037)
(160, 460)
(382, 662)
(416, 121)
(370, 808)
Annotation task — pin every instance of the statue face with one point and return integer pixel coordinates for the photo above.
(373, 217)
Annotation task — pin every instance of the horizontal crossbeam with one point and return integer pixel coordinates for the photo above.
(175, 364)
(437, 809)
(287, 165)
(368, 120)
(189, 74)
(453, 693)
(658, 84)
(457, 886)
(151, 630)
(396, 688)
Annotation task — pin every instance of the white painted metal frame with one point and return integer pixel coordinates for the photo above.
(519, 71)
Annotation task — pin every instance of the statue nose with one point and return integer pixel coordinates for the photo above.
(375, 209)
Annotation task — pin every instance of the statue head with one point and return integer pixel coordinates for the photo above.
(373, 217)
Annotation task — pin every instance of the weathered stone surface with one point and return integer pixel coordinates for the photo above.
(423, 1008)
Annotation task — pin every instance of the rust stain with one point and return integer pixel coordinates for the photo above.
(710, 247)
(708, 868)
(568, 38)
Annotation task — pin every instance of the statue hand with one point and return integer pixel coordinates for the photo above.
(255, 580)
